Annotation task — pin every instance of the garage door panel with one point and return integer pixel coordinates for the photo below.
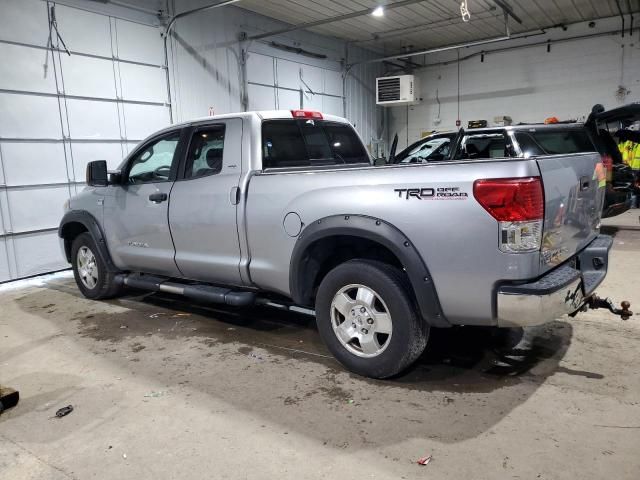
(333, 82)
(25, 70)
(261, 98)
(88, 77)
(142, 83)
(84, 32)
(139, 43)
(23, 21)
(289, 76)
(5, 273)
(5, 223)
(312, 102)
(260, 69)
(37, 253)
(34, 163)
(28, 116)
(333, 106)
(288, 99)
(143, 120)
(93, 120)
(36, 208)
(84, 153)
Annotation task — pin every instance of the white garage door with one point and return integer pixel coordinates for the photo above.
(97, 103)
(276, 83)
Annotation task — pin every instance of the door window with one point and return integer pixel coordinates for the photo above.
(153, 163)
(205, 152)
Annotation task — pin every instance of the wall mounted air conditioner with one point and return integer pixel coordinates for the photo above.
(399, 90)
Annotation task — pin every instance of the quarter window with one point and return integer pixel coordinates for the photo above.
(205, 154)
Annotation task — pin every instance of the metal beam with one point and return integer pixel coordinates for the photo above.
(434, 50)
(338, 18)
(508, 10)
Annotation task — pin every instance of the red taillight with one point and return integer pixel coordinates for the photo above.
(306, 114)
(511, 199)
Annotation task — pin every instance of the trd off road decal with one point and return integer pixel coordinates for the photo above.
(438, 193)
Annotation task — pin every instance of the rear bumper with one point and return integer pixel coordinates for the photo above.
(559, 292)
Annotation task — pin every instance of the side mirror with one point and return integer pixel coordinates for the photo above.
(380, 161)
(97, 173)
(436, 157)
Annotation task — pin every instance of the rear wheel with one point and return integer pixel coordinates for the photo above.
(368, 320)
(90, 272)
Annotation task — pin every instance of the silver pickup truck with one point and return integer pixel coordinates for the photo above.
(287, 206)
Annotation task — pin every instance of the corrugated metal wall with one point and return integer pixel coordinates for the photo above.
(206, 72)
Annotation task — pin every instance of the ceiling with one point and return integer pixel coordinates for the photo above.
(420, 24)
(431, 23)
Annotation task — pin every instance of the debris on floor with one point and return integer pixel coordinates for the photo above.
(64, 411)
(8, 398)
(424, 460)
(155, 394)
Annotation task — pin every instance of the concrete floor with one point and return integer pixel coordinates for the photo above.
(162, 389)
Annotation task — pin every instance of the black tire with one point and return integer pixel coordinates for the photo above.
(105, 285)
(410, 332)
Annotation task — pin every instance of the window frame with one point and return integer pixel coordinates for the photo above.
(175, 161)
(189, 134)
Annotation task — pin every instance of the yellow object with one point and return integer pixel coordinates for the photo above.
(627, 149)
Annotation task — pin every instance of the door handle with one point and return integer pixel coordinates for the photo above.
(158, 197)
(234, 195)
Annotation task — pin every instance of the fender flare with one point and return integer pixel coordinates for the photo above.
(93, 227)
(378, 231)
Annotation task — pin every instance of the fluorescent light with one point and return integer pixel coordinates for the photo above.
(378, 11)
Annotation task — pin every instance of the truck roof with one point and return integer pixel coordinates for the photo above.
(265, 115)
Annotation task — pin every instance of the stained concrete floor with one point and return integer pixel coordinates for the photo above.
(164, 389)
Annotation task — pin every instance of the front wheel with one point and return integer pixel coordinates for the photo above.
(90, 272)
(367, 319)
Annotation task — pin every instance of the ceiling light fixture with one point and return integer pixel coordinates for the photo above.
(378, 11)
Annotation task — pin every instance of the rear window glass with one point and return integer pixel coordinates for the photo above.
(534, 143)
(305, 143)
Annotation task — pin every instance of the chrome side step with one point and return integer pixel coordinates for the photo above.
(200, 292)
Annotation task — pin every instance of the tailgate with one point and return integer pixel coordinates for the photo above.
(574, 190)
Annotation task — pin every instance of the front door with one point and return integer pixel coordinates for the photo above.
(136, 210)
(202, 210)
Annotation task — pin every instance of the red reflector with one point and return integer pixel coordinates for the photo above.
(511, 199)
(306, 114)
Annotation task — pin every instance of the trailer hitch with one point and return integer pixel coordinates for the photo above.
(595, 302)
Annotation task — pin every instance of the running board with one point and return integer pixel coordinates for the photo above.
(200, 292)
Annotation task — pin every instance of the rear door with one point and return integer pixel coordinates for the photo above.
(202, 210)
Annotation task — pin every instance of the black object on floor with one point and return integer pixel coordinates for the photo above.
(8, 398)
(64, 411)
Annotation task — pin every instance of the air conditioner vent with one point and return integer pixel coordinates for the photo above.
(399, 90)
(389, 89)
